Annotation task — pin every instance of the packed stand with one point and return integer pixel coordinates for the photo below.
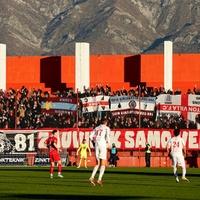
(21, 109)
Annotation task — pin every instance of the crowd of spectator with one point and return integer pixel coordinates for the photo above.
(22, 109)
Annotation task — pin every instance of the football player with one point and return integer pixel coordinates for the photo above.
(176, 149)
(54, 156)
(83, 148)
(100, 137)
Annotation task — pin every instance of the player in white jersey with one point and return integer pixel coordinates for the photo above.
(176, 149)
(100, 138)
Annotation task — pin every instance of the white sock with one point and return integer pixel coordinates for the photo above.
(175, 171)
(183, 171)
(102, 169)
(95, 171)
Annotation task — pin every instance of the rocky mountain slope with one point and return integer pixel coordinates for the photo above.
(51, 27)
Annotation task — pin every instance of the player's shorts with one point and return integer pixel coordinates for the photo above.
(178, 159)
(101, 151)
(83, 155)
(54, 156)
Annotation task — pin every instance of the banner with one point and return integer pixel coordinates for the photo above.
(186, 105)
(27, 147)
(193, 107)
(94, 104)
(120, 105)
(10, 159)
(60, 105)
(43, 159)
(30, 141)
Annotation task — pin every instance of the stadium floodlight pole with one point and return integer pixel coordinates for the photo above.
(3, 66)
(82, 65)
(168, 65)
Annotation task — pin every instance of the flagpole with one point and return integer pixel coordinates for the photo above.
(77, 109)
(15, 104)
(139, 106)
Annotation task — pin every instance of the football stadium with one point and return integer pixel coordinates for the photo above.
(99, 99)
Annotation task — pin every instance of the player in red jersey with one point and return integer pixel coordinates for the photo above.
(54, 156)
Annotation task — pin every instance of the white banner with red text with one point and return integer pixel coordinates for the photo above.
(27, 147)
(32, 141)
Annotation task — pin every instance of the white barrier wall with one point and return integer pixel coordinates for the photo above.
(168, 56)
(82, 66)
(3, 66)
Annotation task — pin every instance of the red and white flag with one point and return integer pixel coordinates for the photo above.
(186, 105)
(93, 104)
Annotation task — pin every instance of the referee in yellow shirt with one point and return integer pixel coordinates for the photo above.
(83, 148)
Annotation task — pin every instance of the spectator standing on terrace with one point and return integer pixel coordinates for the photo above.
(113, 156)
(148, 155)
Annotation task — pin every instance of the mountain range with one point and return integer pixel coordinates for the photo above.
(51, 27)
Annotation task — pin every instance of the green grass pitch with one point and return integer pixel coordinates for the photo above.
(26, 183)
